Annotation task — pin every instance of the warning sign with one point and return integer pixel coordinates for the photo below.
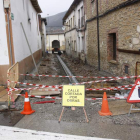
(134, 95)
(73, 95)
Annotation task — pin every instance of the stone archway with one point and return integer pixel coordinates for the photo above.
(55, 44)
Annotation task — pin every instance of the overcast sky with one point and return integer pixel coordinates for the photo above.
(53, 7)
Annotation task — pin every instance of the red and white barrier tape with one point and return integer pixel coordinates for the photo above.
(40, 89)
(58, 86)
(99, 81)
(70, 76)
(37, 85)
(124, 87)
(58, 98)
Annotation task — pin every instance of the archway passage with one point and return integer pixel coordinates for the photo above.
(55, 44)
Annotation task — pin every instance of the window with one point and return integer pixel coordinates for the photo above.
(126, 69)
(112, 46)
(79, 45)
(68, 45)
(73, 21)
(72, 45)
(69, 24)
(78, 18)
(82, 17)
(66, 26)
(83, 43)
(75, 47)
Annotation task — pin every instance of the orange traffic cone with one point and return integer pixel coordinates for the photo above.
(27, 107)
(105, 109)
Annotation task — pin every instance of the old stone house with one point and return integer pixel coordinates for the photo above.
(113, 41)
(13, 45)
(75, 33)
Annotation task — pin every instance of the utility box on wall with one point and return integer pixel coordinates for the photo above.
(6, 3)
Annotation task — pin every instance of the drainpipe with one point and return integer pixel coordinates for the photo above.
(11, 56)
(98, 37)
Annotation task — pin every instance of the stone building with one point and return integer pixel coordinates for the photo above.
(117, 47)
(75, 33)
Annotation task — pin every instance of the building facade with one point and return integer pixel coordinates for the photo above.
(13, 44)
(42, 28)
(114, 46)
(75, 32)
(55, 40)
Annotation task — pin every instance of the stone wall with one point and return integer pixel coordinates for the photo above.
(125, 23)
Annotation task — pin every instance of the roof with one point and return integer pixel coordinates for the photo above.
(36, 6)
(54, 30)
(72, 7)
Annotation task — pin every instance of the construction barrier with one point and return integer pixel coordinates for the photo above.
(60, 76)
(12, 69)
(58, 98)
(59, 87)
(87, 89)
(97, 81)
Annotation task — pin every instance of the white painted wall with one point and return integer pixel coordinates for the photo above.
(22, 10)
(43, 35)
(4, 57)
(51, 38)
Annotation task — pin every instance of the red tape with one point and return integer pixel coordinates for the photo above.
(70, 76)
(58, 98)
(43, 102)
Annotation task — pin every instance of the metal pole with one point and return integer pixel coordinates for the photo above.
(30, 49)
(98, 37)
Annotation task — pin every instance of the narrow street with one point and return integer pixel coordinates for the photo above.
(70, 69)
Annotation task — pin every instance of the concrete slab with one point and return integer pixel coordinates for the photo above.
(14, 133)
